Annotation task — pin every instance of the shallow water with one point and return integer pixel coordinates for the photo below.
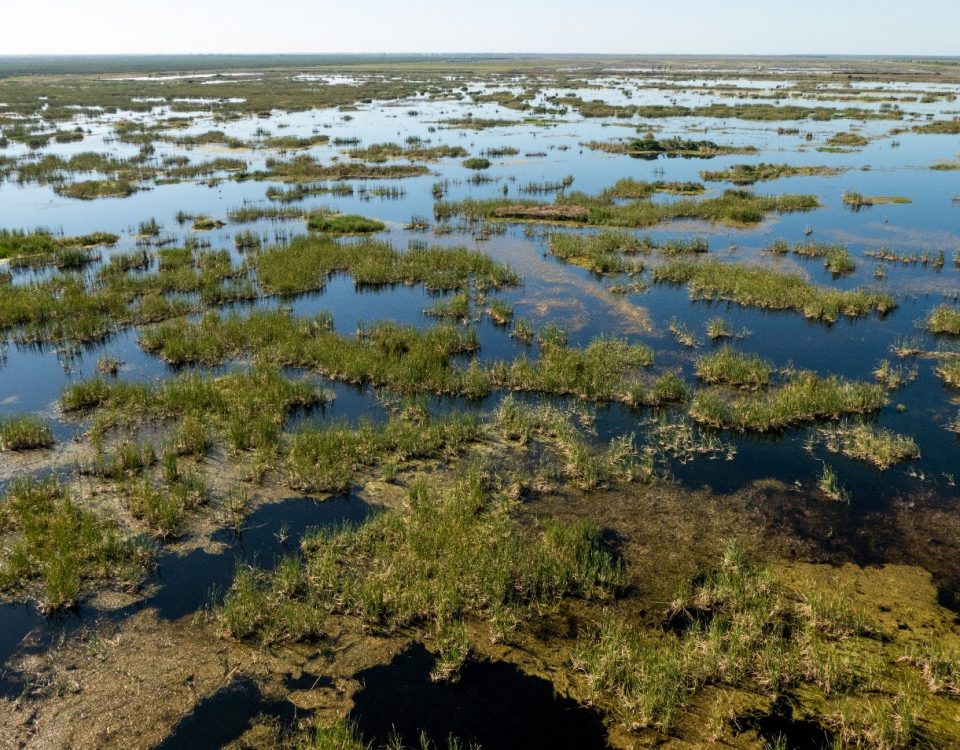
(186, 583)
(491, 704)
(223, 716)
(31, 377)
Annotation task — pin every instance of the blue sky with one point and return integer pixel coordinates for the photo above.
(923, 27)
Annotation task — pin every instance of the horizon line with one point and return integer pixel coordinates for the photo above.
(766, 55)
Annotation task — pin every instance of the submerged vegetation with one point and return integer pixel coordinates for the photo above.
(861, 441)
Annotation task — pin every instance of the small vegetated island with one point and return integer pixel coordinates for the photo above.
(472, 401)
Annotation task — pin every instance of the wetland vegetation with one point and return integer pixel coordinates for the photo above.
(478, 402)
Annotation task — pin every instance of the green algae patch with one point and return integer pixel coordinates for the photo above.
(863, 657)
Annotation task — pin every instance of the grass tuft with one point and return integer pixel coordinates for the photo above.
(23, 432)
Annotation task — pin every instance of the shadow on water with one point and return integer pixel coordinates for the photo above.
(17, 622)
(225, 715)
(24, 628)
(779, 727)
(493, 704)
(185, 583)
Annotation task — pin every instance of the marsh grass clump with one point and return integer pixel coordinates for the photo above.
(728, 367)
(149, 228)
(304, 168)
(748, 174)
(667, 388)
(415, 151)
(942, 127)
(298, 191)
(85, 395)
(829, 485)
(246, 241)
(888, 723)
(944, 319)
(23, 432)
(949, 372)
(733, 207)
(582, 464)
(935, 260)
(604, 370)
(894, 376)
(307, 261)
(940, 666)
(245, 409)
(88, 190)
(210, 137)
(192, 438)
(954, 425)
(846, 140)
(682, 333)
(417, 223)
(858, 200)
(164, 508)
(476, 123)
(718, 328)
(87, 307)
(61, 547)
(600, 253)
(522, 331)
(500, 312)
(343, 224)
(536, 188)
(293, 142)
(650, 147)
(386, 354)
(836, 258)
(41, 248)
(736, 626)
(341, 734)
(630, 189)
(108, 365)
(758, 286)
(447, 555)
(249, 212)
(204, 223)
(327, 459)
(456, 307)
(804, 397)
(130, 459)
(861, 441)
(477, 163)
